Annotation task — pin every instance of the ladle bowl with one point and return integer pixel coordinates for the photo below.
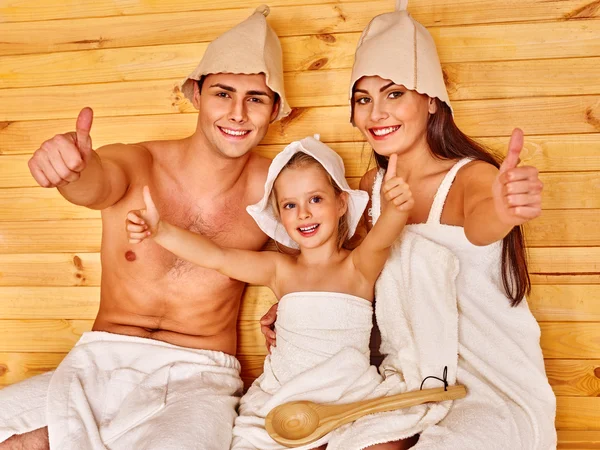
(299, 423)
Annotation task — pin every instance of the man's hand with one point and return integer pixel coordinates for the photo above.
(60, 160)
(143, 223)
(517, 191)
(266, 326)
(395, 190)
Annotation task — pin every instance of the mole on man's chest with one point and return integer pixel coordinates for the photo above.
(130, 256)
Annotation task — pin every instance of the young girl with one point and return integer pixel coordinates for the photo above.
(325, 291)
(467, 217)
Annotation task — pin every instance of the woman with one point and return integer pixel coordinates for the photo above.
(467, 214)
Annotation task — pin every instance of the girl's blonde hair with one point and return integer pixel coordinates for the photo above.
(299, 161)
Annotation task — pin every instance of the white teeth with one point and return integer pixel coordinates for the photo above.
(308, 229)
(384, 131)
(234, 132)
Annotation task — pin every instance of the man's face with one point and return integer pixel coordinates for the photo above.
(234, 111)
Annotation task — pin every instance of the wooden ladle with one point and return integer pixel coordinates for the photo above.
(299, 423)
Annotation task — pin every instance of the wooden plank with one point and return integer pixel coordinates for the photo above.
(564, 39)
(576, 378)
(528, 41)
(51, 237)
(570, 340)
(567, 228)
(49, 302)
(577, 152)
(578, 413)
(50, 335)
(570, 190)
(37, 203)
(180, 27)
(578, 440)
(448, 12)
(564, 228)
(15, 367)
(24, 11)
(50, 269)
(543, 279)
(565, 303)
(564, 260)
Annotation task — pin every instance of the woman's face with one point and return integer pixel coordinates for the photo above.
(392, 118)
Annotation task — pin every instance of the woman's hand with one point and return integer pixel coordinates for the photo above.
(266, 326)
(143, 223)
(517, 191)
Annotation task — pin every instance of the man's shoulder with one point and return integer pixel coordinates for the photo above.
(125, 150)
(257, 168)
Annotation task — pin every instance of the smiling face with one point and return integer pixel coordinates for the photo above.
(234, 112)
(392, 118)
(310, 208)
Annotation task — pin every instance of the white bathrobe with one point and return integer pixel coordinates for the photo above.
(489, 346)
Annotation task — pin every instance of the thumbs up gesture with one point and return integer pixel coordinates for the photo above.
(517, 191)
(60, 160)
(143, 223)
(396, 192)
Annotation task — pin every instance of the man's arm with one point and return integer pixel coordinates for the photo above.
(84, 177)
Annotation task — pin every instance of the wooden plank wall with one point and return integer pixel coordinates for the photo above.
(528, 63)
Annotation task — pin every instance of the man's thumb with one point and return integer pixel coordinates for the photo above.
(515, 146)
(82, 131)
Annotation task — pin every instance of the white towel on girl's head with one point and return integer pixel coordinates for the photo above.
(124, 392)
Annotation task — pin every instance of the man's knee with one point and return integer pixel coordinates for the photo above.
(34, 440)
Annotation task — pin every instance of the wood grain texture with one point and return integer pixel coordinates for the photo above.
(575, 378)
(577, 413)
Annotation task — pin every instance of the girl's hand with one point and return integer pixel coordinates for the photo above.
(143, 223)
(517, 191)
(395, 190)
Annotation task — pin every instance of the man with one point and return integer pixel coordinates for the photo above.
(158, 370)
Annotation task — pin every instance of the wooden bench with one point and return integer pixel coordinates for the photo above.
(506, 64)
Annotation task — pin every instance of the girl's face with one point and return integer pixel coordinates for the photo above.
(392, 118)
(309, 207)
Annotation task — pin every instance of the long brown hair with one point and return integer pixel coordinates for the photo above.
(446, 141)
(299, 161)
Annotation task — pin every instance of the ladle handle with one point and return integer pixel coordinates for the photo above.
(350, 412)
